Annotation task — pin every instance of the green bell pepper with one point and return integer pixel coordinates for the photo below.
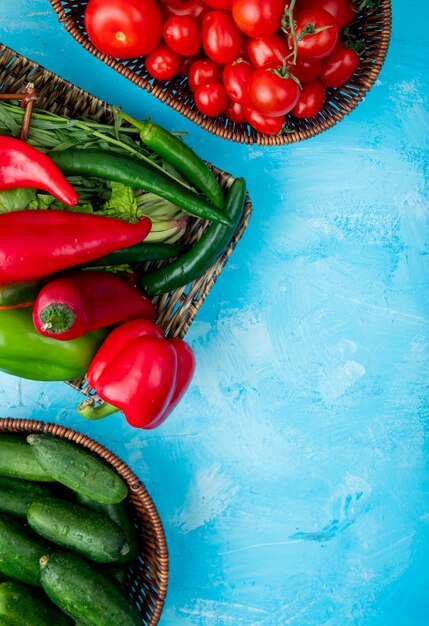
(26, 353)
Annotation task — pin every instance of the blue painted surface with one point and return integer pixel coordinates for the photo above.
(293, 479)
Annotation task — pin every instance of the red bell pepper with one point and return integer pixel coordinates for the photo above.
(21, 165)
(38, 243)
(80, 302)
(141, 373)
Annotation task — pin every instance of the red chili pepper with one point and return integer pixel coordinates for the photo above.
(80, 302)
(37, 243)
(21, 165)
(142, 373)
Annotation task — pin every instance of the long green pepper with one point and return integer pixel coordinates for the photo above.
(137, 174)
(181, 156)
(204, 253)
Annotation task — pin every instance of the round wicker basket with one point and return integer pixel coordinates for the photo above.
(374, 27)
(148, 577)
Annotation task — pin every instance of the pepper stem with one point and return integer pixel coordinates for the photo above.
(57, 318)
(89, 411)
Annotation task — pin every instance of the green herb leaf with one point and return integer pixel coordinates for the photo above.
(16, 199)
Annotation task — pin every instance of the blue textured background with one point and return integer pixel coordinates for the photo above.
(293, 479)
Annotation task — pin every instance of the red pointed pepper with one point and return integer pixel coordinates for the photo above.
(21, 165)
(80, 302)
(141, 373)
(38, 243)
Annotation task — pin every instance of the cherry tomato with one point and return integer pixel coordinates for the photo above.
(124, 30)
(182, 35)
(162, 63)
(311, 101)
(338, 68)
(236, 112)
(270, 51)
(317, 45)
(272, 93)
(263, 123)
(306, 70)
(341, 10)
(236, 76)
(258, 18)
(211, 98)
(195, 9)
(221, 5)
(221, 37)
(204, 71)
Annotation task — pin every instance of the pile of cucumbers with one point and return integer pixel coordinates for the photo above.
(64, 527)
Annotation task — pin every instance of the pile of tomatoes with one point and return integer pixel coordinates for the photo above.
(255, 61)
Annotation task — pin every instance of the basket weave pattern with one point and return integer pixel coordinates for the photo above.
(374, 28)
(177, 309)
(148, 577)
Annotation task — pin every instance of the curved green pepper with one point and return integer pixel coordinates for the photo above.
(26, 353)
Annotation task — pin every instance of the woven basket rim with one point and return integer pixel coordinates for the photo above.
(136, 486)
(159, 89)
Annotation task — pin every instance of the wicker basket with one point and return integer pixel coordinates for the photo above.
(374, 28)
(177, 309)
(148, 578)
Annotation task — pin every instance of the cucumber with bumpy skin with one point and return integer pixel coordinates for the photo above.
(17, 459)
(78, 469)
(74, 527)
(20, 551)
(118, 513)
(21, 606)
(16, 495)
(79, 589)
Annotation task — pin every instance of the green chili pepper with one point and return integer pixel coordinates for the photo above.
(205, 252)
(23, 293)
(28, 354)
(184, 159)
(139, 254)
(137, 174)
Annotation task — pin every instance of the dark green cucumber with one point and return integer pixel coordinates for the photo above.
(74, 527)
(20, 551)
(22, 606)
(78, 469)
(82, 592)
(16, 495)
(119, 514)
(18, 461)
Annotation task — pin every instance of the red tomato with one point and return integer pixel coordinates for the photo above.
(162, 63)
(236, 77)
(196, 9)
(317, 45)
(311, 101)
(182, 35)
(221, 37)
(306, 70)
(204, 71)
(258, 18)
(222, 5)
(338, 68)
(211, 98)
(263, 123)
(273, 94)
(341, 10)
(268, 51)
(236, 112)
(123, 30)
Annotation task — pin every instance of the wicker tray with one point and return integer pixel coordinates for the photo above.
(148, 578)
(374, 28)
(177, 309)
